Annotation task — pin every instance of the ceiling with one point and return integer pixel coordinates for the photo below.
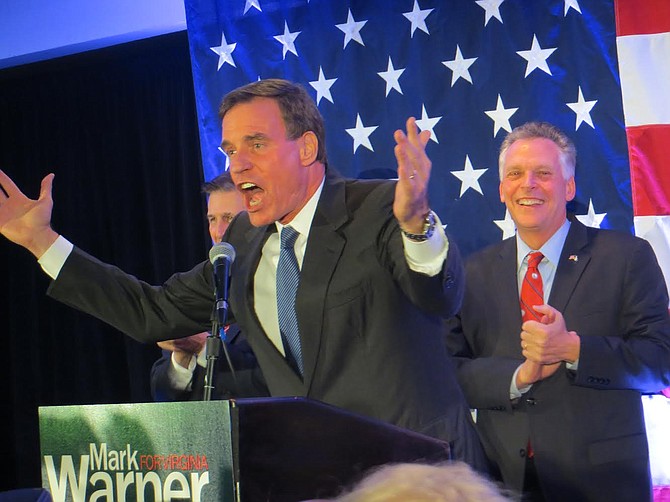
(35, 30)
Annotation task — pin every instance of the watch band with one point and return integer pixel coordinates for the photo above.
(428, 229)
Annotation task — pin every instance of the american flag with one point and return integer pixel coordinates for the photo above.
(470, 71)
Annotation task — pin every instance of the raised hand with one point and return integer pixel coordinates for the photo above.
(411, 195)
(25, 221)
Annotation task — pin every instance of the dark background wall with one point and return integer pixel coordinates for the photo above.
(118, 128)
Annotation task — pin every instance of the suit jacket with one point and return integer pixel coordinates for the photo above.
(586, 426)
(371, 329)
(247, 381)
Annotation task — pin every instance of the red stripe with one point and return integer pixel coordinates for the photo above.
(650, 169)
(641, 17)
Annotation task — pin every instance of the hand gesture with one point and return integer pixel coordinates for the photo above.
(25, 221)
(548, 341)
(184, 348)
(411, 195)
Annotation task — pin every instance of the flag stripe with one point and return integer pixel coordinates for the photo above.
(650, 169)
(644, 64)
(642, 16)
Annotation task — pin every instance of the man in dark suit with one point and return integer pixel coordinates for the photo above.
(377, 274)
(558, 397)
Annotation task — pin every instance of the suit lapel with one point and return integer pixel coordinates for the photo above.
(506, 292)
(573, 261)
(324, 249)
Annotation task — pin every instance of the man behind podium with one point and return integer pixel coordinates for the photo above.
(377, 273)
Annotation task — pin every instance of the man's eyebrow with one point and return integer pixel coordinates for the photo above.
(247, 139)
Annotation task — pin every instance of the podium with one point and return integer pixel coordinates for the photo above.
(249, 450)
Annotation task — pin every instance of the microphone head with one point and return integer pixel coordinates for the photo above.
(222, 250)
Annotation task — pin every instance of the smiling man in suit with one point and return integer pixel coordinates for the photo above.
(371, 272)
(562, 327)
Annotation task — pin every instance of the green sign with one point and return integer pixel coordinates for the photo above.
(137, 452)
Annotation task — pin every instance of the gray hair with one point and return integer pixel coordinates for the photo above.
(532, 130)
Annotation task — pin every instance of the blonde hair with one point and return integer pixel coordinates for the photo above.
(447, 482)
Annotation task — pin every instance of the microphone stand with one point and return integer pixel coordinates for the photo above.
(212, 351)
(213, 347)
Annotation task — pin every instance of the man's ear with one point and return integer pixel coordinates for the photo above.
(309, 148)
(500, 190)
(570, 189)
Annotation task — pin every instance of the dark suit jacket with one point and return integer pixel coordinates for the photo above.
(586, 427)
(247, 381)
(371, 329)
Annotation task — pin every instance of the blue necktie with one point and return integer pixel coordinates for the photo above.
(288, 277)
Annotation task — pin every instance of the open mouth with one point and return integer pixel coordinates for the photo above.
(253, 194)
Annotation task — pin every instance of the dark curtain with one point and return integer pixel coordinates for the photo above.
(118, 128)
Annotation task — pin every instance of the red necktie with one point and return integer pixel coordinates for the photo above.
(531, 288)
(531, 294)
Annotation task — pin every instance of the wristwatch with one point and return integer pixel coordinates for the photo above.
(428, 229)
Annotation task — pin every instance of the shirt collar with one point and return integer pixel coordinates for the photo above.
(302, 221)
(551, 249)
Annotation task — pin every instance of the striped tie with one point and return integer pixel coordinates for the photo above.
(531, 288)
(288, 277)
(531, 294)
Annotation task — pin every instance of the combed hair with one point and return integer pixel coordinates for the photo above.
(532, 130)
(222, 183)
(298, 109)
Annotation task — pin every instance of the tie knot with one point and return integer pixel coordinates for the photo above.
(534, 259)
(288, 237)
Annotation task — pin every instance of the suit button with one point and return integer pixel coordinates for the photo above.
(522, 453)
(531, 401)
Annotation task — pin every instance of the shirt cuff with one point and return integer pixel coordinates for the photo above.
(427, 257)
(53, 259)
(180, 378)
(514, 391)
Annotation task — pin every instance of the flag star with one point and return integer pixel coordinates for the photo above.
(352, 30)
(491, 8)
(287, 40)
(460, 67)
(501, 116)
(323, 86)
(469, 177)
(427, 123)
(571, 4)
(536, 57)
(391, 76)
(361, 134)
(591, 219)
(507, 225)
(225, 52)
(252, 3)
(582, 109)
(418, 18)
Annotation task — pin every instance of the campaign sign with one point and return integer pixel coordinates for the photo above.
(137, 452)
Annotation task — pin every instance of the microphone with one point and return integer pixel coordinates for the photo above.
(222, 256)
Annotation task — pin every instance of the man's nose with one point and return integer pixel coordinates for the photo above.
(529, 179)
(217, 229)
(239, 162)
